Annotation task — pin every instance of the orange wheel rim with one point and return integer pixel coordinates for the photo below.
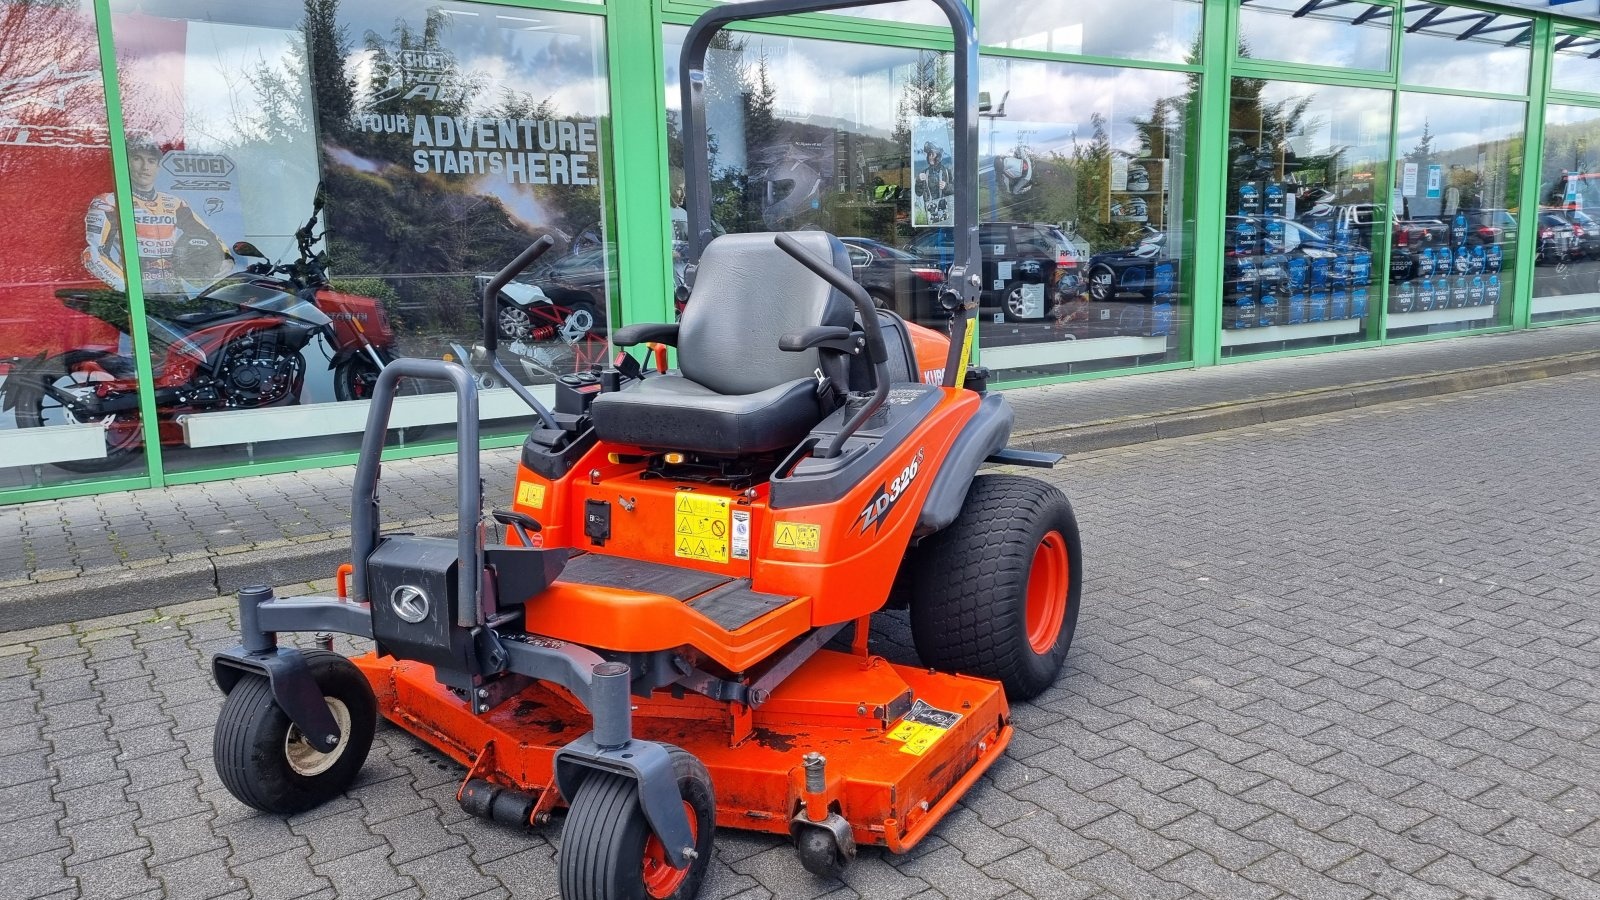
(661, 880)
(1047, 592)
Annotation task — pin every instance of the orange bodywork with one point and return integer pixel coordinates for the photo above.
(839, 568)
(891, 777)
(902, 744)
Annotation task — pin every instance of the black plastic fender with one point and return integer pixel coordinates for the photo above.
(985, 435)
(293, 688)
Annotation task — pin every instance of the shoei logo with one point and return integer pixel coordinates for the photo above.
(409, 603)
(888, 496)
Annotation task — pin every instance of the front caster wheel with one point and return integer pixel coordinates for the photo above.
(608, 851)
(820, 851)
(996, 593)
(266, 762)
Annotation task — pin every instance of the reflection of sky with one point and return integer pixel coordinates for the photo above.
(1353, 119)
(1434, 56)
(1573, 69)
(1457, 122)
(1325, 37)
(1131, 29)
(1069, 94)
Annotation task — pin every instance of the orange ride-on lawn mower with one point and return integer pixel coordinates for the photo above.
(647, 645)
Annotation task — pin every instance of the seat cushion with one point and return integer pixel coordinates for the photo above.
(670, 412)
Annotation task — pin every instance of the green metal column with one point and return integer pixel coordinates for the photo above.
(130, 244)
(639, 149)
(1209, 162)
(1532, 162)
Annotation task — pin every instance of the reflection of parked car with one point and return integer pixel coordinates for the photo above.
(1016, 257)
(1128, 291)
(1557, 240)
(897, 280)
(1585, 232)
(1408, 238)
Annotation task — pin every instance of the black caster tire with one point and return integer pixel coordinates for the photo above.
(820, 853)
(997, 592)
(608, 851)
(265, 761)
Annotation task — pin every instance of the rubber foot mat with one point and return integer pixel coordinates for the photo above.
(734, 606)
(643, 577)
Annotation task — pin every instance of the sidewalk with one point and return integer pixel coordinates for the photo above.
(114, 553)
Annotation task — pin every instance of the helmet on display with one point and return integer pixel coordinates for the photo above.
(932, 149)
(791, 189)
(1151, 242)
(196, 258)
(1138, 178)
(1015, 172)
(142, 142)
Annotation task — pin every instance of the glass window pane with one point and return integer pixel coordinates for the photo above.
(382, 157)
(66, 362)
(1078, 165)
(1575, 65)
(1566, 274)
(1457, 186)
(1160, 30)
(1455, 47)
(1318, 32)
(1304, 254)
(1090, 160)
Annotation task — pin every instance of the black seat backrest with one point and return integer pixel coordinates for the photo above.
(747, 294)
(902, 355)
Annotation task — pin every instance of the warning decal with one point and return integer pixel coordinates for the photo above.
(741, 534)
(797, 536)
(530, 494)
(700, 527)
(922, 727)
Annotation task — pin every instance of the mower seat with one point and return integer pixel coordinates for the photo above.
(735, 392)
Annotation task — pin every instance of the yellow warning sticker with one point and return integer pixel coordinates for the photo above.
(797, 536)
(922, 727)
(700, 527)
(530, 494)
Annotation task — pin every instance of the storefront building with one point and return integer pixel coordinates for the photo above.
(221, 219)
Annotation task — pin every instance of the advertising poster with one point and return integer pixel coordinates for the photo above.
(933, 181)
(475, 140)
(55, 159)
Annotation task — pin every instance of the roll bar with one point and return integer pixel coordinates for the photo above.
(963, 280)
(490, 360)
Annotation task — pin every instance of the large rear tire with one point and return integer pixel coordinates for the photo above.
(996, 594)
(265, 761)
(608, 851)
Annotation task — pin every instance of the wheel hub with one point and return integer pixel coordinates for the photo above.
(307, 760)
(1047, 592)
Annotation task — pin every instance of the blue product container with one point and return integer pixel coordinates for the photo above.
(1323, 227)
(1267, 310)
(1494, 256)
(1166, 280)
(1298, 308)
(1160, 319)
(1423, 299)
(1361, 269)
(1246, 238)
(1298, 273)
(1425, 261)
(1458, 292)
(1244, 311)
(1463, 259)
(1478, 296)
(1341, 269)
(1319, 273)
(1480, 259)
(1249, 198)
(1492, 289)
(1443, 261)
(1319, 307)
(1339, 305)
(1358, 303)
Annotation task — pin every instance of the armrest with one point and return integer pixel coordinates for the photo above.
(646, 333)
(831, 337)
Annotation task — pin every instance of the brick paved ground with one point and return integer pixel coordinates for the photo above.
(1339, 657)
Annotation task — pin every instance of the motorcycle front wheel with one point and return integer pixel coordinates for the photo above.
(355, 378)
(39, 405)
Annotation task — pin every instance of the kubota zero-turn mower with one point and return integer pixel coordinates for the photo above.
(645, 646)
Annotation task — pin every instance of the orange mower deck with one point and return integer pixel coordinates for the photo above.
(902, 744)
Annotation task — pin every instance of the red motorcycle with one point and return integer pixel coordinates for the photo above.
(237, 345)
